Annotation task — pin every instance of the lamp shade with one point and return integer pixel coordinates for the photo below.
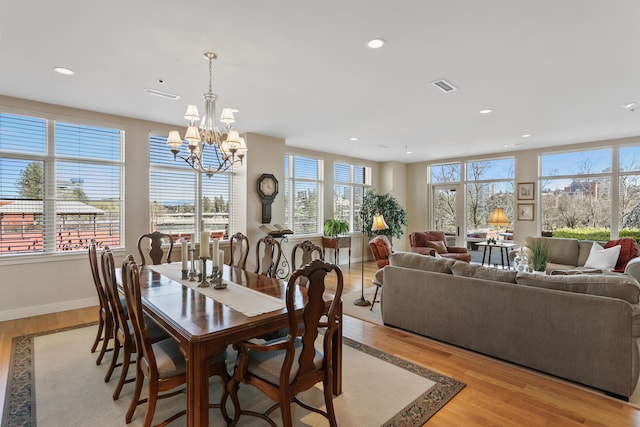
(174, 139)
(498, 218)
(192, 113)
(378, 223)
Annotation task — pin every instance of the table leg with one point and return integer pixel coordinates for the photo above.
(484, 254)
(502, 256)
(197, 386)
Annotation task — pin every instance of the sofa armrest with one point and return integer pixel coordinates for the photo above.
(456, 250)
(633, 268)
(635, 320)
(423, 250)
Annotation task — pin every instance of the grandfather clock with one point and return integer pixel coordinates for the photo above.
(267, 190)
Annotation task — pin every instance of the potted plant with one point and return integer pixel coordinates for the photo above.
(335, 227)
(539, 256)
(385, 204)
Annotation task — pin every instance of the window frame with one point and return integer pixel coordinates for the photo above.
(290, 183)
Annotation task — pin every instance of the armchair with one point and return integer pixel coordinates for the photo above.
(380, 248)
(434, 242)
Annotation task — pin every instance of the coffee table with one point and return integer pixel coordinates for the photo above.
(502, 247)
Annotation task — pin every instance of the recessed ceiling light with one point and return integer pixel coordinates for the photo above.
(65, 71)
(162, 94)
(408, 152)
(375, 43)
(353, 138)
(526, 135)
(487, 111)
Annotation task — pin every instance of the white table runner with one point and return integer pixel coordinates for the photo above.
(246, 301)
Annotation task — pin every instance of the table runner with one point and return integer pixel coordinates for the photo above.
(247, 301)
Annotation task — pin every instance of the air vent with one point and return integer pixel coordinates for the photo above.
(444, 85)
(162, 94)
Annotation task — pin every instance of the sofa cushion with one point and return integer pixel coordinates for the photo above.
(619, 286)
(421, 262)
(439, 246)
(561, 250)
(584, 249)
(466, 269)
(628, 251)
(602, 258)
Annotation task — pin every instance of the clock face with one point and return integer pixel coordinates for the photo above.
(268, 186)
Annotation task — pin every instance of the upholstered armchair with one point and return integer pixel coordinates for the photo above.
(380, 248)
(434, 242)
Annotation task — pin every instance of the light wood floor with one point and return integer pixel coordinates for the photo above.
(497, 393)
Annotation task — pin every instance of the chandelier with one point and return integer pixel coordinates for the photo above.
(224, 148)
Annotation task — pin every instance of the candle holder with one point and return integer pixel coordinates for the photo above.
(193, 273)
(185, 274)
(216, 278)
(204, 283)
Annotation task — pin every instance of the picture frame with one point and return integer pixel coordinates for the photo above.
(526, 190)
(526, 211)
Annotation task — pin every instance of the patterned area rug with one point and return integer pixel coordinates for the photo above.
(22, 407)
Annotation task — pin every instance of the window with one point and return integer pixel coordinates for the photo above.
(629, 191)
(55, 194)
(350, 182)
(179, 196)
(303, 194)
(576, 192)
(489, 185)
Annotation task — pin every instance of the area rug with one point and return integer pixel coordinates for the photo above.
(54, 381)
(359, 312)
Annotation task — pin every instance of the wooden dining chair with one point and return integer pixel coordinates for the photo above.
(162, 363)
(268, 253)
(283, 368)
(155, 252)
(239, 248)
(105, 318)
(122, 327)
(306, 249)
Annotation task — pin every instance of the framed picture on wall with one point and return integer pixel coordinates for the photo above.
(526, 190)
(525, 211)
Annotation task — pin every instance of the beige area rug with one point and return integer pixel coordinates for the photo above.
(363, 313)
(54, 381)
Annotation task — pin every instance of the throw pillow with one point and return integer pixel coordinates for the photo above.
(619, 286)
(439, 246)
(476, 271)
(421, 262)
(628, 251)
(602, 258)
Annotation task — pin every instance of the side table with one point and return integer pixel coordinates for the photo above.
(336, 243)
(502, 247)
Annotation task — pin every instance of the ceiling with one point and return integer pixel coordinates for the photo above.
(559, 70)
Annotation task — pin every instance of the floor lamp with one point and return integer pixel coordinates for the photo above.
(377, 225)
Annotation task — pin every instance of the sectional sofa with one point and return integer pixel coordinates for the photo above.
(583, 328)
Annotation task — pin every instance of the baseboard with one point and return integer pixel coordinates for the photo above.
(21, 313)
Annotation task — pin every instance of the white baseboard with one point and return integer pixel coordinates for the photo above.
(21, 313)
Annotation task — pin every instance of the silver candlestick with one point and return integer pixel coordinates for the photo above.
(193, 273)
(204, 283)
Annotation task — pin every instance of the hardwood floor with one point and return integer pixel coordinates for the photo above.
(497, 393)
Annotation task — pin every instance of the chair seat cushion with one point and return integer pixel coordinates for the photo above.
(170, 360)
(268, 364)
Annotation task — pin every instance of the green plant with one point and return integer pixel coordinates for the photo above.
(539, 256)
(385, 204)
(335, 227)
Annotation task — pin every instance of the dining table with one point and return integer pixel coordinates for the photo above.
(206, 320)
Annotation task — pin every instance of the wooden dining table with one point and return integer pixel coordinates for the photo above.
(205, 327)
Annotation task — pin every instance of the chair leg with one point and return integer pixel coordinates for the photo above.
(232, 391)
(328, 399)
(151, 405)
(108, 334)
(136, 393)
(114, 360)
(285, 410)
(98, 335)
(126, 360)
(375, 295)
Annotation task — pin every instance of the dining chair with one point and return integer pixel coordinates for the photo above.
(267, 264)
(306, 249)
(156, 239)
(283, 368)
(122, 327)
(105, 318)
(239, 248)
(162, 363)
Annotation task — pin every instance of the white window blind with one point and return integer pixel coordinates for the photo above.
(303, 194)
(350, 183)
(60, 185)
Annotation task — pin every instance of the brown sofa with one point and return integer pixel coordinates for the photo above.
(426, 243)
(583, 328)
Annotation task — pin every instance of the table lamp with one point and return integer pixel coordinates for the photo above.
(498, 218)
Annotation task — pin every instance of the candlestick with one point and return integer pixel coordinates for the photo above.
(204, 283)
(185, 257)
(193, 273)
